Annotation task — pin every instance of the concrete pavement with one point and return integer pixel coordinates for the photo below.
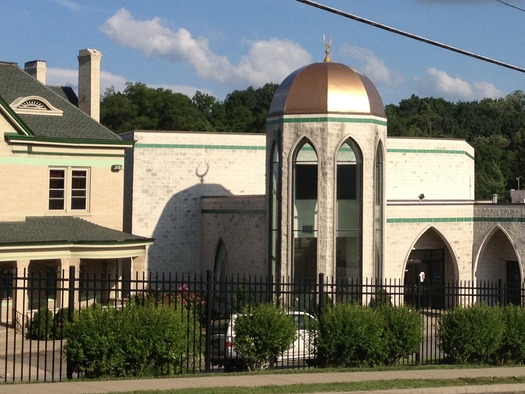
(280, 379)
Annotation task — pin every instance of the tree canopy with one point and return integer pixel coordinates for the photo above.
(495, 127)
(140, 107)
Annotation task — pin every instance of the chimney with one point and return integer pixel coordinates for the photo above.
(89, 82)
(37, 69)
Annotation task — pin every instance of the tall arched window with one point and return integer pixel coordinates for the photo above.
(349, 207)
(378, 213)
(305, 213)
(221, 267)
(275, 209)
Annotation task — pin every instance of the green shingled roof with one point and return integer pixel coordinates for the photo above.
(72, 125)
(58, 230)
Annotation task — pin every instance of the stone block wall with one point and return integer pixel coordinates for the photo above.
(240, 224)
(171, 172)
(441, 169)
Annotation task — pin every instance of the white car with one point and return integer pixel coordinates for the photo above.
(223, 353)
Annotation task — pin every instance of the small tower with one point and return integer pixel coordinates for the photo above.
(326, 134)
(89, 82)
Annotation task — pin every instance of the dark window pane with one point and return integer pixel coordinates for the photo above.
(78, 203)
(56, 194)
(306, 182)
(346, 182)
(78, 183)
(56, 204)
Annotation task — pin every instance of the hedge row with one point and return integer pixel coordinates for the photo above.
(483, 334)
(351, 335)
(139, 340)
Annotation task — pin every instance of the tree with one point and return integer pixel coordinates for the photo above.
(495, 127)
(144, 108)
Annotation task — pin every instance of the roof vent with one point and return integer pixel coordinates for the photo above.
(34, 105)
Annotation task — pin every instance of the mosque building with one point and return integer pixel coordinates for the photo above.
(324, 191)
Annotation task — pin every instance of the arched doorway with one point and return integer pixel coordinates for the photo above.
(498, 268)
(429, 267)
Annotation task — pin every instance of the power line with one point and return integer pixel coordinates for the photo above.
(410, 35)
(511, 5)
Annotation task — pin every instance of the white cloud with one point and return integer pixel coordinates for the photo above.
(437, 83)
(372, 66)
(152, 38)
(61, 77)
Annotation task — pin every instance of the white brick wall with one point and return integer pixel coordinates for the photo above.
(172, 171)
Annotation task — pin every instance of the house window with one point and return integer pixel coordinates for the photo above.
(68, 189)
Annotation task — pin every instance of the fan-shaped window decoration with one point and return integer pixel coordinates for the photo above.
(34, 105)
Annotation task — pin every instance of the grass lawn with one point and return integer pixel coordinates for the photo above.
(346, 387)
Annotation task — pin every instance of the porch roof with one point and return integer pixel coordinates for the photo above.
(59, 230)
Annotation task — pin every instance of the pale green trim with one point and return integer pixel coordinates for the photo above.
(199, 146)
(326, 119)
(457, 220)
(60, 161)
(69, 154)
(432, 151)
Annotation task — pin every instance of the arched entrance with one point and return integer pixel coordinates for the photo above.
(429, 267)
(498, 268)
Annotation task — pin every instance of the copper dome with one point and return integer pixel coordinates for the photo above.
(326, 87)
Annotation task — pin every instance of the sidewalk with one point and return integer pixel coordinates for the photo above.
(85, 387)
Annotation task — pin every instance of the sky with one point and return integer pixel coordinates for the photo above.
(218, 46)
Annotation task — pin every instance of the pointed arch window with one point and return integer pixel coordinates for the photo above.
(349, 211)
(275, 209)
(378, 213)
(305, 212)
(222, 265)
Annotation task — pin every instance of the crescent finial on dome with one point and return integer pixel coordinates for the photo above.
(328, 44)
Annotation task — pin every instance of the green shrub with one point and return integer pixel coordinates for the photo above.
(262, 334)
(136, 341)
(471, 335)
(403, 332)
(381, 299)
(350, 335)
(41, 325)
(59, 322)
(512, 349)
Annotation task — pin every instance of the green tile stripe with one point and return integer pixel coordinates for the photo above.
(457, 220)
(327, 119)
(107, 142)
(432, 151)
(200, 146)
(234, 211)
(25, 152)
(53, 160)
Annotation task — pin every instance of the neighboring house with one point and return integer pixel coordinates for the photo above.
(61, 186)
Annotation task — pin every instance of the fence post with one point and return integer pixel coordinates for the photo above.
(321, 294)
(501, 289)
(209, 307)
(70, 313)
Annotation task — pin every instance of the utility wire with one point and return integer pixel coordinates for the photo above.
(410, 35)
(510, 5)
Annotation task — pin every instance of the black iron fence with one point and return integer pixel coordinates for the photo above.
(29, 352)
